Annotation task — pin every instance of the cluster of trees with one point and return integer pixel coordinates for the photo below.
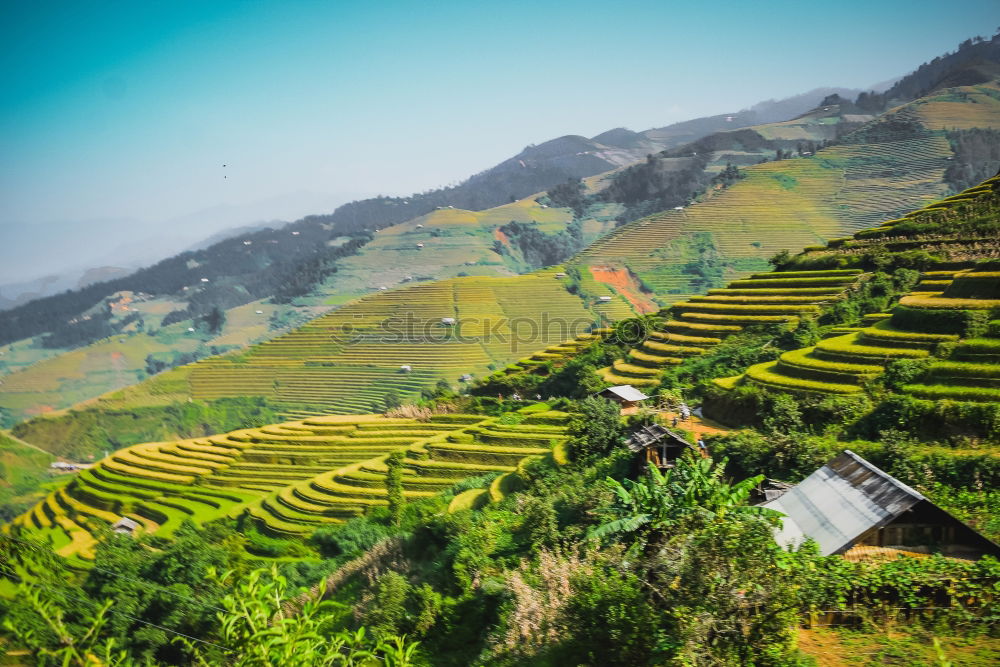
(977, 157)
(197, 599)
(81, 330)
(570, 195)
(538, 248)
(952, 69)
(729, 175)
(575, 377)
(707, 268)
(658, 184)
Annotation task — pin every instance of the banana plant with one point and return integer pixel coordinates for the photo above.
(693, 491)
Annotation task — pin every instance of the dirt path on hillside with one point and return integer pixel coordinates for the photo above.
(700, 426)
(501, 237)
(626, 285)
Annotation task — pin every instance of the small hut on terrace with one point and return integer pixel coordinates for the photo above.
(125, 526)
(851, 507)
(625, 394)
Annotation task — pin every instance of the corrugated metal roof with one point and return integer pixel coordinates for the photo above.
(841, 501)
(627, 392)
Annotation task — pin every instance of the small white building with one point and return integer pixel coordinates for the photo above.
(125, 526)
(604, 299)
(624, 394)
(448, 321)
(405, 368)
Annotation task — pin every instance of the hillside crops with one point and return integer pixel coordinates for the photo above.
(289, 477)
(791, 204)
(350, 360)
(691, 327)
(430, 465)
(945, 321)
(443, 244)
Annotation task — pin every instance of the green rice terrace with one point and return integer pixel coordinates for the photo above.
(292, 477)
(946, 330)
(692, 327)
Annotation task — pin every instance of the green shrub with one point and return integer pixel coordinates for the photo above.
(931, 420)
(900, 372)
(596, 429)
(348, 540)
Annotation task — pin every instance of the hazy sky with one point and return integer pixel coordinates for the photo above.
(128, 110)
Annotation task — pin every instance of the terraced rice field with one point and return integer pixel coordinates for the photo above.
(291, 477)
(921, 323)
(961, 108)
(694, 326)
(73, 376)
(349, 360)
(430, 465)
(791, 204)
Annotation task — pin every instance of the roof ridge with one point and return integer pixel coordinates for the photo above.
(881, 473)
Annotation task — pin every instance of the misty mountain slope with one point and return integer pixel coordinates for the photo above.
(445, 243)
(450, 242)
(770, 111)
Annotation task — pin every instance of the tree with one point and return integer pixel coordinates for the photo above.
(256, 631)
(780, 259)
(215, 320)
(394, 486)
(595, 429)
(692, 492)
(391, 400)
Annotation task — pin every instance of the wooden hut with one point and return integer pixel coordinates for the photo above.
(658, 445)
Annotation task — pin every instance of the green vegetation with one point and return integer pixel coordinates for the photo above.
(507, 523)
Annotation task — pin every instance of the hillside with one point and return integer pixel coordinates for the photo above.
(445, 243)
(468, 522)
(939, 342)
(872, 174)
(877, 171)
(288, 478)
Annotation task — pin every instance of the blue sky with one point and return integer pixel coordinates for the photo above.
(123, 113)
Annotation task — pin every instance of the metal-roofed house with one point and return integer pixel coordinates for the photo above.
(126, 526)
(849, 504)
